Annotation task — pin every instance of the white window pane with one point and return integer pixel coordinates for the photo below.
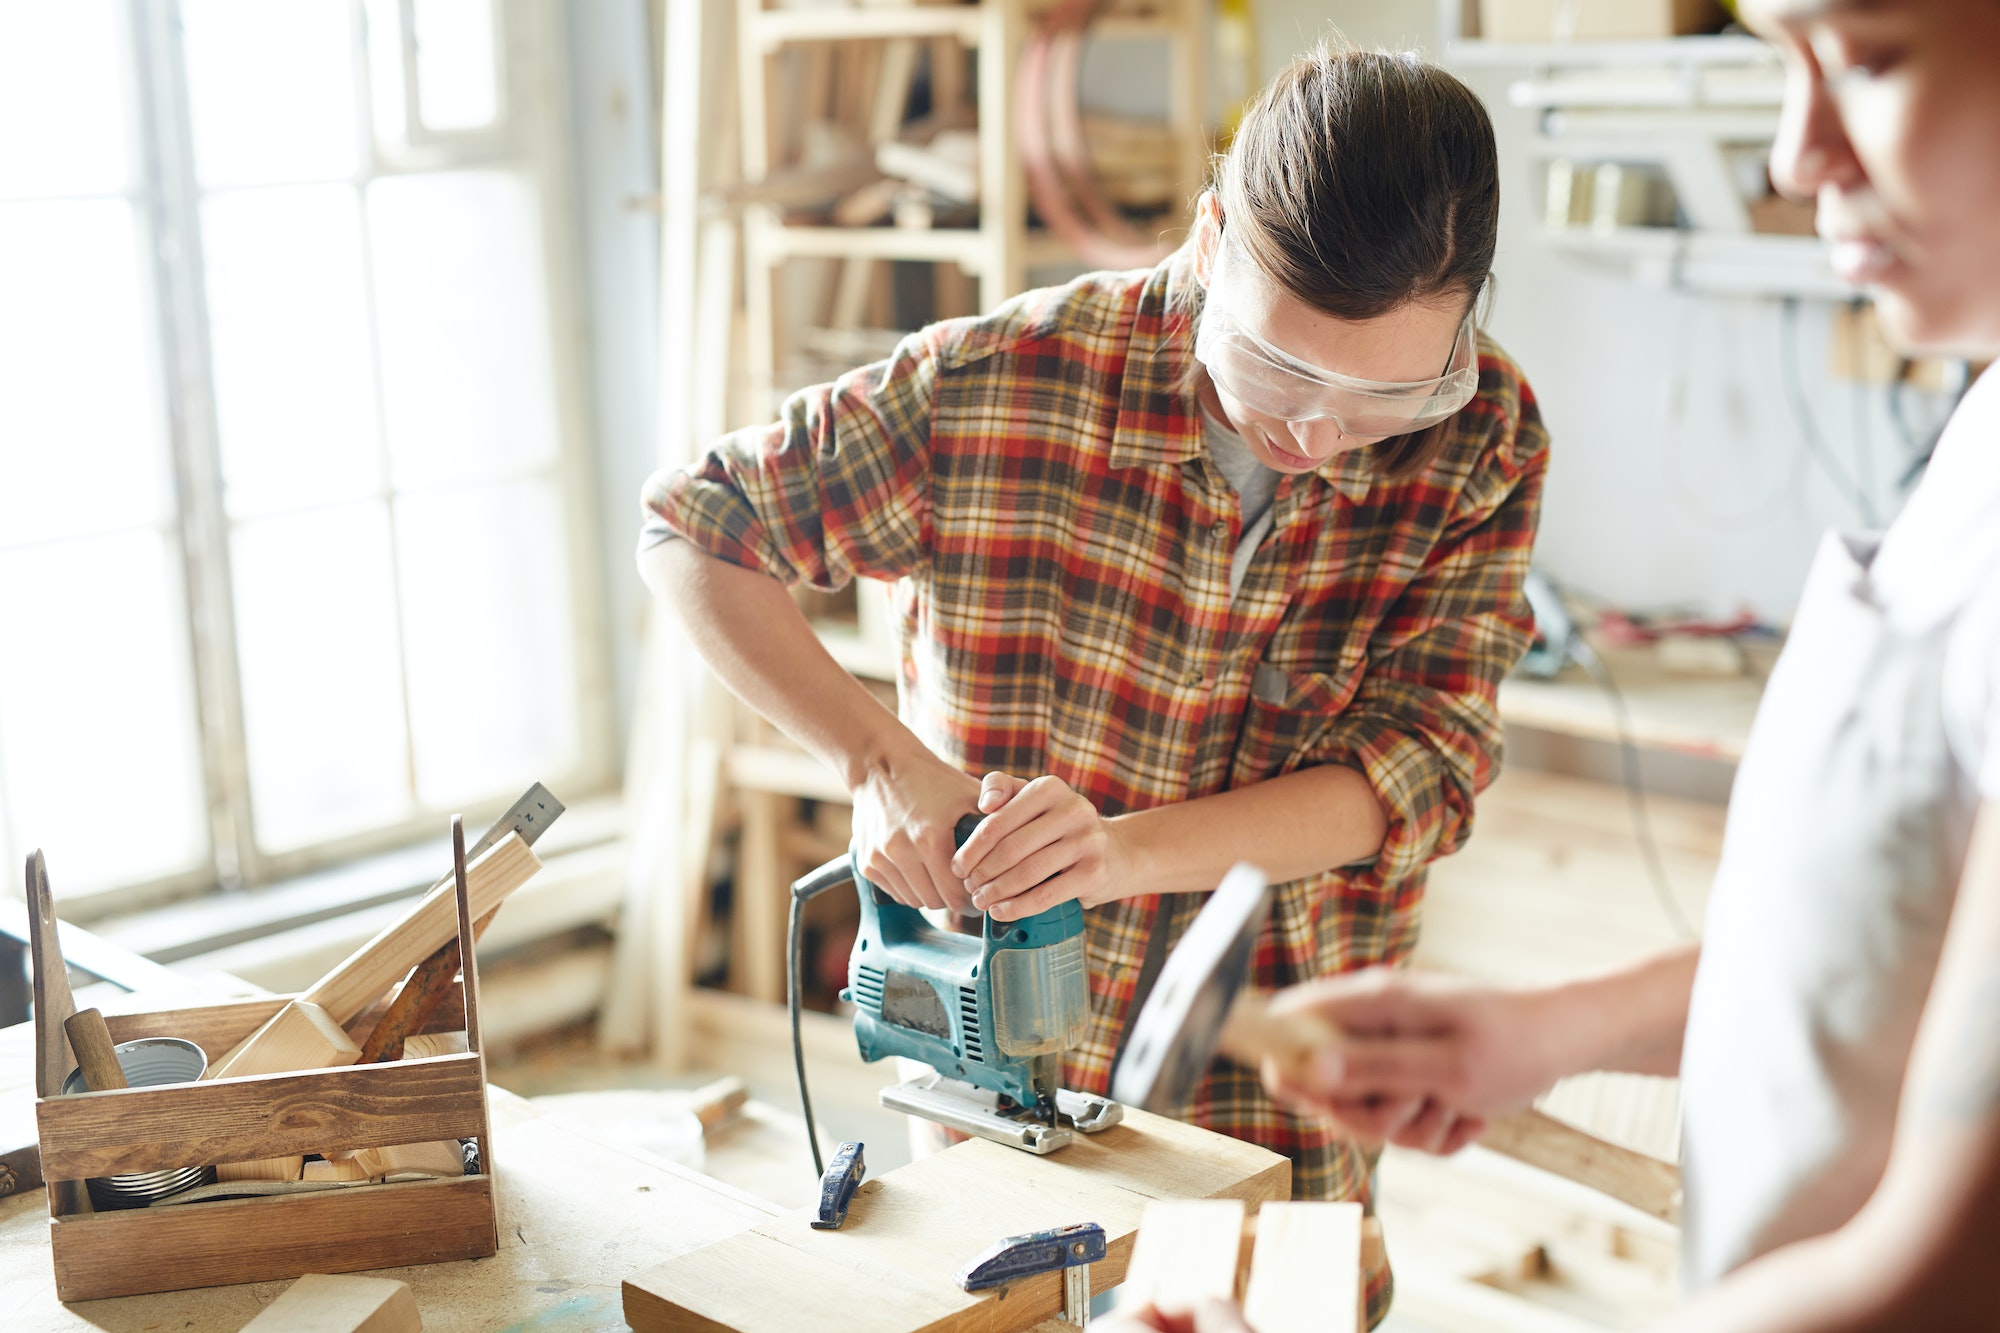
(79, 409)
(322, 694)
(463, 319)
(288, 319)
(455, 70)
(486, 613)
(62, 99)
(271, 86)
(97, 744)
(385, 68)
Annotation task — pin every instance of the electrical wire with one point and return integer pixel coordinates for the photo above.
(1673, 423)
(831, 875)
(1795, 394)
(1635, 791)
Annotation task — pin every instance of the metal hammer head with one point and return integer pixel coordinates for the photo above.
(1173, 1039)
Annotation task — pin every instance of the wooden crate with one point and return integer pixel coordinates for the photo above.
(355, 1227)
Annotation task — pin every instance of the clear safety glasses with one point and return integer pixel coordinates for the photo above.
(1272, 381)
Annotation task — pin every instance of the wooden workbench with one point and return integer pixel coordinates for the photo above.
(889, 1270)
(577, 1217)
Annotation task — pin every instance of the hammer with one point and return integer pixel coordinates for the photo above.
(1196, 1012)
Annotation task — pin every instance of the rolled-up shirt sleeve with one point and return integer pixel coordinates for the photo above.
(836, 488)
(1424, 724)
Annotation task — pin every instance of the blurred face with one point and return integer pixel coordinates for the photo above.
(1275, 374)
(1891, 124)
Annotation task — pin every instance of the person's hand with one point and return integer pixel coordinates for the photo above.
(1042, 843)
(1425, 1060)
(904, 814)
(1209, 1316)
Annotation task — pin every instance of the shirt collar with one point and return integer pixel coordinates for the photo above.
(1157, 421)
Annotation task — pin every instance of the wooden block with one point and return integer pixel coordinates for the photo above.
(442, 1158)
(302, 1035)
(347, 1166)
(264, 1168)
(1187, 1251)
(421, 1045)
(889, 1269)
(321, 1303)
(1305, 1274)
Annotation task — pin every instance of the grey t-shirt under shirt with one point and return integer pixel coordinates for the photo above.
(1256, 486)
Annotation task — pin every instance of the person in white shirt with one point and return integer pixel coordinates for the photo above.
(1837, 1033)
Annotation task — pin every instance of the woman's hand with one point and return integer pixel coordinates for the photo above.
(1424, 1060)
(904, 814)
(1042, 843)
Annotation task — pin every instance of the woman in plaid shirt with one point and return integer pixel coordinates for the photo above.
(1219, 561)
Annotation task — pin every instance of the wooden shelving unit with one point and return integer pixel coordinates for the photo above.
(995, 254)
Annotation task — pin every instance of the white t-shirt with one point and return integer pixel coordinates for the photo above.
(1848, 826)
(1942, 560)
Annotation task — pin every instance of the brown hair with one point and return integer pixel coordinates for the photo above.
(1361, 180)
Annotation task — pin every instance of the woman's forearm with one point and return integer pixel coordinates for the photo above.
(1302, 823)
(751, 633)
(1629, 1021)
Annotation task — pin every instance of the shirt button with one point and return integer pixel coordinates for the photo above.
(1219, 530)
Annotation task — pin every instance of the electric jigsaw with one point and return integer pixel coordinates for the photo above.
(990, 1013)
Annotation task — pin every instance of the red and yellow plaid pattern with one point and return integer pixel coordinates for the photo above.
(1060, 543)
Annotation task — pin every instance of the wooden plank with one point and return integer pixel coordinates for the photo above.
(890, 1267)
(1305, 1275)
(376, 966)
(380, 963)
(271, 1115)
(342, 1231)
(1187, 1250)
(329, 1303)
(300, 1036)
(213, 1027)
(53, 1002)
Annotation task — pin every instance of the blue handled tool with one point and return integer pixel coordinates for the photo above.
(1071, 1249)
(991, 1013)
(1037, 1252)
(836, 1187)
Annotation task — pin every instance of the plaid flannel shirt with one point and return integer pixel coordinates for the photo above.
(1060, 542)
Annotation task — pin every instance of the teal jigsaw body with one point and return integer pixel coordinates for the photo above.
(982, 1008)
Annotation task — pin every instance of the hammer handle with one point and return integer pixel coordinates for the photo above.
(1252, 1034)
(91, 1040)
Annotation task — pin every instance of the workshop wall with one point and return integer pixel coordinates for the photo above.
(1680, 474)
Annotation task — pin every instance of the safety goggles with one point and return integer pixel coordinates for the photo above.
(1271, 381)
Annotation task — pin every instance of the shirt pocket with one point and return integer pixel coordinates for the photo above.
(1286, 718)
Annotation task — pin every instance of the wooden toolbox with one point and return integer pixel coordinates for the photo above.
(360, 1226)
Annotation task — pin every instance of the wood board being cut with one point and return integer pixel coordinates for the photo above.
(889, 1270)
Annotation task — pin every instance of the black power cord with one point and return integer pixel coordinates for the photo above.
(829, 876)
(1642, 820)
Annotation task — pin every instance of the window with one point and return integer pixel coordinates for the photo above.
(294, 553)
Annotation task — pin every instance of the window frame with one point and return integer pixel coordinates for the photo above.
(530, 134)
